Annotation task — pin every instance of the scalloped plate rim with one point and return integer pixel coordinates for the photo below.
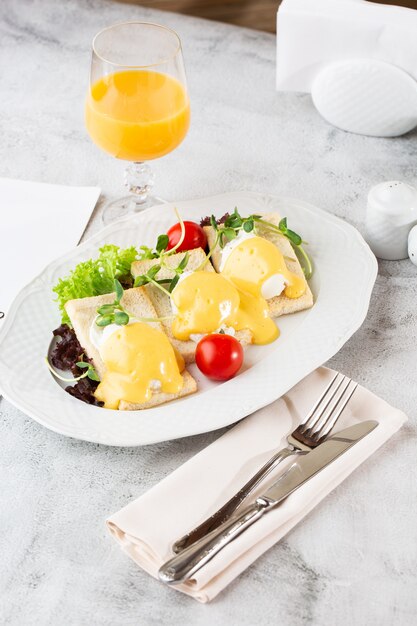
(370, 277)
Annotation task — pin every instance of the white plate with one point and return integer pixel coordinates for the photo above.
(345, 271)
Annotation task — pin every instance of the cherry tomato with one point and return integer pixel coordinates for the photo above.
(219, 356)
(195, 237)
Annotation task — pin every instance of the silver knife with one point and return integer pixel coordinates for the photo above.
(182, 566)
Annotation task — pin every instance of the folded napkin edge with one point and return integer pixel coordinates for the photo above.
(214, 580)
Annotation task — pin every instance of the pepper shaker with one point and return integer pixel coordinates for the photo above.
(391, 212)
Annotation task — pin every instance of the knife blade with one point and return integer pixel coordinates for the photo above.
(183, 565)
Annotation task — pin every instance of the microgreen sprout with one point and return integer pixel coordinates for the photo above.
(151, 276)
(90, 372)
(234, 223)
(162, 243)
(160, 251)
(166, 285)
(113, 313)
(295, 240)
(182, 237)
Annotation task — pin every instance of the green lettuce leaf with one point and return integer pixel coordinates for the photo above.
(96, 276)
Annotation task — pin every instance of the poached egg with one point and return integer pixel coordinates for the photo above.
(255, 265)
(272, 286)
(139, 361)
(252, 270)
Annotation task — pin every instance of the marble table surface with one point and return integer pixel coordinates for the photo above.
(353, 560)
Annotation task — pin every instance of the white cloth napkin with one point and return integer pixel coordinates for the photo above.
(313, 33)
(147, 528)
(38, 222)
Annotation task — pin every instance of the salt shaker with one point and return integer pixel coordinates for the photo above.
(412, 245)
(390, 215)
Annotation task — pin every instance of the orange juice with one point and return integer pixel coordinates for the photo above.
(137, 115)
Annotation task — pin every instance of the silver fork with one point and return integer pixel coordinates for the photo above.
(309, 434)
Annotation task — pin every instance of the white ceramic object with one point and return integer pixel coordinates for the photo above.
(367, 97)
(391, 212)
(345, 271)
(314, 33)
(412, 245)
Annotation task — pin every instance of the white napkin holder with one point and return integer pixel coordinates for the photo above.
(358, 60)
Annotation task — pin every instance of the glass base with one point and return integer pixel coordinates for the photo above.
(139, 180)
(127, 206)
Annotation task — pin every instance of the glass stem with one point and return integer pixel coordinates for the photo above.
(139, 180)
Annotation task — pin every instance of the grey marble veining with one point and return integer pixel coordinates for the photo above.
(353, 560)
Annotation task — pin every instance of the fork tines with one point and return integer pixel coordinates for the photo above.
(325, 413)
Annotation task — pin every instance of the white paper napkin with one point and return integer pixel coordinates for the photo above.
(147, 528)
(313, 33)
(38, 222)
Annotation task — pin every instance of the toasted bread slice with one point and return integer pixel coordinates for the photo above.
(278, 305)
(190, 386)
(82, 313)
(162, 303)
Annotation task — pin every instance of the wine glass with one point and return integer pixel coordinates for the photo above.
(137, 106)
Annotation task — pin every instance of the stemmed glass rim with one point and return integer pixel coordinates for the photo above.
(141, 23)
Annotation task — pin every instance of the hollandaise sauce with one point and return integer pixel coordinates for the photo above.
(254, 261)
(139, 359)
(206, 301)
